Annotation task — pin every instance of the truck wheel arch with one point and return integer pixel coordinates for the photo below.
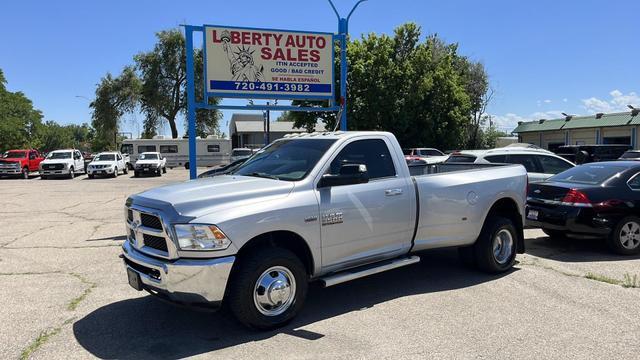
(507, 207)
(282, 239)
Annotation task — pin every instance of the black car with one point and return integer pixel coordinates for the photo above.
(222, 170)
(596, 200)
(582, 154)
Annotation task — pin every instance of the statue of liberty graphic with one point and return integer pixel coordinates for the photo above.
(241, 62)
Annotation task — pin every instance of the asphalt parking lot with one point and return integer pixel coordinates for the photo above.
(65, 296)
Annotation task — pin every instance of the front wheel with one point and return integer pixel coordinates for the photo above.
(25, 173)
(125, 170)
(625, 238)
(495, 249)
(268, 288)
(164, 170)
(71, 173)
(115, 173)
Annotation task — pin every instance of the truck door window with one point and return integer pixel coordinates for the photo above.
(373, 153)
(32, 155)
(551, 165)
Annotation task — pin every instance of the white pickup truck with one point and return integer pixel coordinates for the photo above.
(150, 163)
(107, 164)
(66, 163)
(329, 207)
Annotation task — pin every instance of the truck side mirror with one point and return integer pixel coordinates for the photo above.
(349, 174)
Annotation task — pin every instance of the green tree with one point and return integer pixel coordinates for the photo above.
(114, 97)
(422, 91)
(19, 120)
(163, 92)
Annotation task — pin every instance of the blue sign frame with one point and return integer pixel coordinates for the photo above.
(270, 96)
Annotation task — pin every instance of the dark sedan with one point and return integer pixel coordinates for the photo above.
(600, 200)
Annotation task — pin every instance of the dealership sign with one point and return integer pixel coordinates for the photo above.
(260, 63)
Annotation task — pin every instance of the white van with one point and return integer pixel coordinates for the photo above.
(211, 151)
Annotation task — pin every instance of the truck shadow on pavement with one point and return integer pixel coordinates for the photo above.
(573, 250)
(145, 327)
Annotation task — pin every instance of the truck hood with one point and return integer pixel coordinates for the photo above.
(152, 162)
(196, 198)
(102, 163)
(57, 161)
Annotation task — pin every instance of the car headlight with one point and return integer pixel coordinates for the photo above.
(194, 237)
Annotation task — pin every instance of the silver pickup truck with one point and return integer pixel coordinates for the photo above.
(328, 207)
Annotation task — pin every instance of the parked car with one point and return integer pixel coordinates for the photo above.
(599, 200)
(222, 170)
(241, 153)
(150, 163)
(630, 155)
(66, 163)
(428, 155)
(540, 164)
(20, 163)
(108, 164)
(582, 154)
(331, 208)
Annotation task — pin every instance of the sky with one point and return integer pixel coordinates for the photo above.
(543, 57)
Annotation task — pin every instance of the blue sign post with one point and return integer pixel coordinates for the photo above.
(294, 70)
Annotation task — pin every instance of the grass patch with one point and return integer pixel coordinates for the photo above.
(42, 339)
(602, 278)
(73, 304)
(630, 281)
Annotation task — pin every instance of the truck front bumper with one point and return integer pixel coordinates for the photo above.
(16, 171)
(195, 282)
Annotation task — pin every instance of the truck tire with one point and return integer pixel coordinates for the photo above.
(159, 172)
(268, 288)
(495, 249)
(136, 174)
(115, 172)
(43, 177)
(125, 170)
(625, 238)
(71, 173)
(164, 170)
(186, 165)
(90, 176)
(25, 173)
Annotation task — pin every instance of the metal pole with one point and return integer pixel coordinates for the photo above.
(191, 103)
(268, 125)
(343, 32)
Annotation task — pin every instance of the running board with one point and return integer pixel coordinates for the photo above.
(367, 270)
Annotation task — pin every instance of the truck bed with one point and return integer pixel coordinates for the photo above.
(427, 169)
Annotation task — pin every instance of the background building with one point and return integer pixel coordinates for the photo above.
(247, 130)
(615, 128)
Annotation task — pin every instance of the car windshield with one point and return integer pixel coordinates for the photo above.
(105, 157)
(592, 174)
(630, 155)
(285, 159)
(148, 157)
(16, 155)
(59, 155)
(244, 152)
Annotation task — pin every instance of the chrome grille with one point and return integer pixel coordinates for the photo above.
(150, 221)
(155, 242)
(147, 232)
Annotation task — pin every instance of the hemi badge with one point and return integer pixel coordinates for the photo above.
(310, 219)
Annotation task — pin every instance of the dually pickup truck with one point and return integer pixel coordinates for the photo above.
(329, 207)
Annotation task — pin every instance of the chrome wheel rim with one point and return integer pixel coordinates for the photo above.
(274, 291)
(630, 235)
(502, 246)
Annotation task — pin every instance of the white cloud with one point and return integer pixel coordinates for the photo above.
(547, 101)
(565, 100)
(509, 121)
(617, 103)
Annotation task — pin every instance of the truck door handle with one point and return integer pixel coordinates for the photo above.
(392, 192)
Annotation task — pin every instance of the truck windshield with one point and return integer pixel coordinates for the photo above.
(16, 155)
(105, 157)
(59, 155)
(148, 157)
(289, 160)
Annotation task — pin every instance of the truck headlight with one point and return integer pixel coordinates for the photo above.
(200, 237)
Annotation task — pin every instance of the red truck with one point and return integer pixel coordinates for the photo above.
(20, 163)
